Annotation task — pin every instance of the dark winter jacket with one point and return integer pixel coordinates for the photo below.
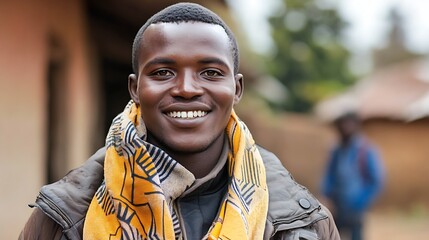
(293, 213)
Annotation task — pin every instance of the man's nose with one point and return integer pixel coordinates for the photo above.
(187, 85)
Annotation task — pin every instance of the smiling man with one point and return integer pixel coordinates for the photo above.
(178, 162)
(186, 90)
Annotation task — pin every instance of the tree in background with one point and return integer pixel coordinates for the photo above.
(309, 59)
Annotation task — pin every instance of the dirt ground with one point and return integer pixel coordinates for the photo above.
(396, 226)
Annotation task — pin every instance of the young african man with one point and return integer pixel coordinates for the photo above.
(178, 162)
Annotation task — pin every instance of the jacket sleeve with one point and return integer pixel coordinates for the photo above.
(40, 226)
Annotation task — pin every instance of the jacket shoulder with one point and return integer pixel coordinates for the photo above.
(292, 208)
(67, 200)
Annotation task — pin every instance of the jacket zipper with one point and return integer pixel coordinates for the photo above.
(55, 208)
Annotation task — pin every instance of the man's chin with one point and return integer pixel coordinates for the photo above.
(187, 145)
(189, 148)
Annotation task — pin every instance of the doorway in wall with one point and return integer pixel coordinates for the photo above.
(116, 96)
(57, 120)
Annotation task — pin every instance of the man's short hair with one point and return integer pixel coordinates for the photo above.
(347, 116)
(185, 12)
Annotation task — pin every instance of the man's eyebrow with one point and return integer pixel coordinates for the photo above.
(160, 60)
(214, 60)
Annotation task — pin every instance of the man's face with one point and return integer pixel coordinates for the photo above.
(347, 127)
(186, 85)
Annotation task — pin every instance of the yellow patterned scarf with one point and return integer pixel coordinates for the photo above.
(141, 183)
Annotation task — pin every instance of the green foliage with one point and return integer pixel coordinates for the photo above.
(309, 59)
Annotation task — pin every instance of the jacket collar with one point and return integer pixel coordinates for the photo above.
(290, 204)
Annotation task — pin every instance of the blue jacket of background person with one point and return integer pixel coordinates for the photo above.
(354, 176)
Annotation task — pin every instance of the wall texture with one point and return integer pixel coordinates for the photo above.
(27, 28)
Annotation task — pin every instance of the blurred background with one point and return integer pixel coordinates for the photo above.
(64, 68)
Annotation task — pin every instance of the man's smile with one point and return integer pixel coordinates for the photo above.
(187, 114)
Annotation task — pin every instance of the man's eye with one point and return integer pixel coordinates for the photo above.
(163, 73)
(212, 73)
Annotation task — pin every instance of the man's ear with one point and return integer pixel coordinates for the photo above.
(239, 87)
(133, 88)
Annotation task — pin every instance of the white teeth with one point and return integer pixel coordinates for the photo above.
(187, 114)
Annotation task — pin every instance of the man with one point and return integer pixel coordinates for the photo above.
(178, 162)
(353, 178)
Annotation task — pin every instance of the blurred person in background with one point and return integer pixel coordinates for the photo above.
(178, 162)
(353, 178)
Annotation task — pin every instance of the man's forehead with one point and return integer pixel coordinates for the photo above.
(185, 41)
(187, 26)
(177, 33)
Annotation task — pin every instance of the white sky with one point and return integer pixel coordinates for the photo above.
(368, 21)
